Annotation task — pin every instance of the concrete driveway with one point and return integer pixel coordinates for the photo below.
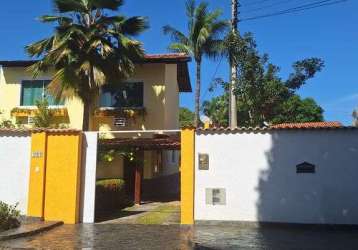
(120, 236)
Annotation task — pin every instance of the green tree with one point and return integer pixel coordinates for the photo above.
(263, 96)
(186, 117)
(217, 109)
(88, 48)
(44, 116)
(204, 38)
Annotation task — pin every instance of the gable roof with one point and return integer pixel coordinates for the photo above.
(180, 59)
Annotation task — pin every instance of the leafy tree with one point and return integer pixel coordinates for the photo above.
(44, 116)
(88, 48)
(262, 96)
(4, 123)
(186, 117)
(355, 117)
(204, 38)
(218, 110)
(7, 124)
(296, 109)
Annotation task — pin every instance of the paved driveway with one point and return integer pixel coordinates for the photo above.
(119, 236)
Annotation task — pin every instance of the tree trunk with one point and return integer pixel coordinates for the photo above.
(233, 104)
(88, 102)
(197, 94)
(86, 115)
(233, 69)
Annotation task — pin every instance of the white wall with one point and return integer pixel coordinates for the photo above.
(15, 150)
(258, 171)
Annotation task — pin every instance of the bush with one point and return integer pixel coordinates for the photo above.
(9, 216)
(111, 196)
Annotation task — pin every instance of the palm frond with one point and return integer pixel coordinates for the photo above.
(39, 48)
(51, 19)
(180, 48)
(106, 4)
(190, 8)
(65, 6)
(175, 35)
(219, 28)
(133, 26)
(213, 48)
(64, 83)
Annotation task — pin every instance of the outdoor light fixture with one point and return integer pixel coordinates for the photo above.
(203, 162)
(305, 167)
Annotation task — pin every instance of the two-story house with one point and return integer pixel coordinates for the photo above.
(149, 100)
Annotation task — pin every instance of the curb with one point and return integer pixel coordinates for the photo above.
(41, 229)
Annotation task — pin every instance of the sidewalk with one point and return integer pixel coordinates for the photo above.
(29, 228)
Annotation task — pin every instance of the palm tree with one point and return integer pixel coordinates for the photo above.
(88, 48)
(204, 38)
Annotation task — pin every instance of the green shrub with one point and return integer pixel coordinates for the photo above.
(111, 196)
(9, 216)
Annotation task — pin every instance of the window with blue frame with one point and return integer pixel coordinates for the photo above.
(124, 95)
(35, 90)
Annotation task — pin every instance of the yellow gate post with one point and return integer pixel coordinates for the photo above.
(187, 175)
(37, 175)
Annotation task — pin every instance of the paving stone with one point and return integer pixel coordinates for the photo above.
(118, 236)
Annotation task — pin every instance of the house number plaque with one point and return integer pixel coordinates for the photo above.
(37, 154)
(203, 162)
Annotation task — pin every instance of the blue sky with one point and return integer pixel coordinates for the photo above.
(330, 33)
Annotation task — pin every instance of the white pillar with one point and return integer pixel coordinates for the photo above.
(88, 178)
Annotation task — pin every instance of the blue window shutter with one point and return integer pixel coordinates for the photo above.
(106, 99)
(36, 90)
(125, 95)
(31, 91)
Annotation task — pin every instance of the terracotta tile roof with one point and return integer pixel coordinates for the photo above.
(149, 58)
(168, 143)
(309, 125)
(37, 130)
(287, 126)
(177, 56)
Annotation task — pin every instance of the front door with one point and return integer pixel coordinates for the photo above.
(129, 176)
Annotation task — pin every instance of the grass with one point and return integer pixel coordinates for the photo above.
(158, 216)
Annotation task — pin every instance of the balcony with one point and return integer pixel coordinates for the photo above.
(31, 111)
(129, 113)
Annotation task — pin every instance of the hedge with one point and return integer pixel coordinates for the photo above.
(9, 216)
(111, 196)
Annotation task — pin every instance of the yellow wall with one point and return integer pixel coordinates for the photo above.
(54, 190)
(37, 175)
(171, 114)
(10, 95)
(115, 169)
(63, 174)
(161, 98)
(187, 176)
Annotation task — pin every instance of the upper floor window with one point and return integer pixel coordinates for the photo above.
(124, 95)
(35, 90)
